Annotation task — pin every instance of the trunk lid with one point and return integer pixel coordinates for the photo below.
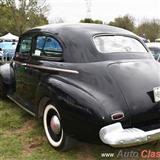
(136, 80)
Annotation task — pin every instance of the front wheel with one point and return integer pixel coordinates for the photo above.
(54, 129)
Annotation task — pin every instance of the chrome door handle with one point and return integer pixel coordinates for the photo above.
(24, 64)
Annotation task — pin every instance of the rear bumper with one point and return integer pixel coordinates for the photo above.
(115, 136)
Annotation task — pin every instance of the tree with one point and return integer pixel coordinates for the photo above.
(158, 35)
(20, 15)
(149, 28)
(5, 19)
(126, 22)
(89, 20)
(97, 21)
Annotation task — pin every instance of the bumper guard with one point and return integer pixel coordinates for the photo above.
(115, 136)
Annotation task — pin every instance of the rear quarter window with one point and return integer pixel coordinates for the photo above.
(47, 46)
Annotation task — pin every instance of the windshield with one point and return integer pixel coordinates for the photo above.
(109, 44)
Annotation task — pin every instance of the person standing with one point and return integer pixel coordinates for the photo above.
(1, 54)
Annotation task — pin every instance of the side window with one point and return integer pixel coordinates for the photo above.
(47, 46)
(40, 42)
(52, 45)
(25, 46)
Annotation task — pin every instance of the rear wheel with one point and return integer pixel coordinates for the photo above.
(3, 91)
(54, 129)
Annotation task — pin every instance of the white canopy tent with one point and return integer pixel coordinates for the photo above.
(9, 36)
(157, 40)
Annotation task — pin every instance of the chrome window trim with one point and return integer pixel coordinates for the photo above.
(47, 68)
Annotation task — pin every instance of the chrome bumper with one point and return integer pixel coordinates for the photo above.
(115, 136)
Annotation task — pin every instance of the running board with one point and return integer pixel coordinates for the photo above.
(21, 106)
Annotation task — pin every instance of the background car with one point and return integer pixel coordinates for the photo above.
(8, 49)
(154, 47)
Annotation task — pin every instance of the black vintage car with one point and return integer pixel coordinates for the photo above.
(94, 83)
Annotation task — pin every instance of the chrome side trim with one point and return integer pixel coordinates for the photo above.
(48, 68)
(116, 136)
(12, 99)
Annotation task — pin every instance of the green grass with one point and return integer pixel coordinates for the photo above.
(22, 138)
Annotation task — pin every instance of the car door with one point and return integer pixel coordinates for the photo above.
(46, 51)
(22, 58)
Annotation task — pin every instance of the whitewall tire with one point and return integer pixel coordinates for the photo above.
(54, 129)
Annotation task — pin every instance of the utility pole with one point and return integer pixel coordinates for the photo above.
(88, 8)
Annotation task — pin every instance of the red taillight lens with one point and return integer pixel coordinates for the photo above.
(117, 116)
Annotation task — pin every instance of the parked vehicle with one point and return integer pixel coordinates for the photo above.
(90, 82)
(155, 49)
(8, 49)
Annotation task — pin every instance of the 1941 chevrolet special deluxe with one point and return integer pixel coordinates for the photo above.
(94, 83)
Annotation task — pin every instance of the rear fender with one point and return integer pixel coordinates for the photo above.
(70, 95)
(80, 111)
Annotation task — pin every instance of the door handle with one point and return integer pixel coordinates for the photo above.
(24, 64)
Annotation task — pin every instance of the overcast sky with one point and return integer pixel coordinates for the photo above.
(106, 10)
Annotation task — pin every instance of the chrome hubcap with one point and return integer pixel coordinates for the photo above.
(55, 124)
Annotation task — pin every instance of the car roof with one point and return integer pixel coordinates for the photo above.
(82, 28)
(153, 44)
(77, 39)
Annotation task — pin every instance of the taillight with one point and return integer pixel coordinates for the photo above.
(117, 116)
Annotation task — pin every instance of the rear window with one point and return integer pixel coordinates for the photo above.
(109, 44)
